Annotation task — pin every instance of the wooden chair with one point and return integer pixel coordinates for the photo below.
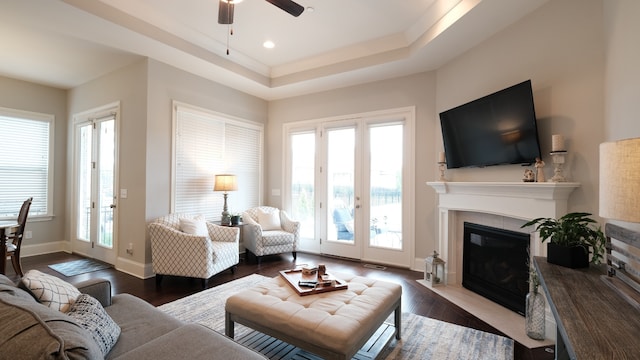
(14, 240)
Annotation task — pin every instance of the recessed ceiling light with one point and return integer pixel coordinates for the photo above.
(310, 9)
(268, 44)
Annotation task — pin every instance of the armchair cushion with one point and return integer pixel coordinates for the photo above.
(269, 220)
(195, 226)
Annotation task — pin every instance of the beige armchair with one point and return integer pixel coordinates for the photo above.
(268, 231)
(186, 245)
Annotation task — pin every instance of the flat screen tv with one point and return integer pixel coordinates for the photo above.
(496, 129)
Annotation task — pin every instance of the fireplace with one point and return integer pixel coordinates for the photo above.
(494, 264)
(505, 205)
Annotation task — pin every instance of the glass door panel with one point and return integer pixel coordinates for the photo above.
(106, 182)
(95, 167)
(341, 201)
(385, 186)
(303, 165)
(85, 173)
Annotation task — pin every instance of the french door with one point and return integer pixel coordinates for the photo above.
(95, 167)
(349, 183)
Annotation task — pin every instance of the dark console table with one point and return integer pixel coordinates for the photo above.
(594, 321)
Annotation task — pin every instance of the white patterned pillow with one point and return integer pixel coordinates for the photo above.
(269, 220)
(195, 226)
(50, 290)
(89, 313)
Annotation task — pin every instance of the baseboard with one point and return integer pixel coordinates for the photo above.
(46, 248)
(134, 268)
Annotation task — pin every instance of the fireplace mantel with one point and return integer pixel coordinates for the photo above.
(519, 200)
(515, 200)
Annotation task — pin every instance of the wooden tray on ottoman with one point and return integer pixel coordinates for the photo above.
(294, 275)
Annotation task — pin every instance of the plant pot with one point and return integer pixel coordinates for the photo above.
(574, 257)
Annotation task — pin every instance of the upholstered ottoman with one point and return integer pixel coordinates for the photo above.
(333, 325)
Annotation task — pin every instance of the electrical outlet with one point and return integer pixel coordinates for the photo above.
(28, 234)
(130, 249)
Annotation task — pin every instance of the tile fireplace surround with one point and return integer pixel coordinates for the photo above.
(505, 205)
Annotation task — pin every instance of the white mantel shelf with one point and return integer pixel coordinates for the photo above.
(513, 199)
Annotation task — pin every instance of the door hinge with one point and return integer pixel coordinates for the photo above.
(93, 164)
(93, 244)
(93, 205)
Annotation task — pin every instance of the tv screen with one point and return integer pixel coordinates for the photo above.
(497, 129)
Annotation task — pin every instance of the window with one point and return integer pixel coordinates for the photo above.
(26, 157)
(206, 144)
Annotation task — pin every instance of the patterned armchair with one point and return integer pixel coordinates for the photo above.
(200, 252)
(269, 230)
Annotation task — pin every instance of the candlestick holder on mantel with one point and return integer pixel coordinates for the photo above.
(558, 164)
(441, 165)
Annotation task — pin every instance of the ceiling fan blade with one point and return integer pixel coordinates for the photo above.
(289, 6)
(225, 12)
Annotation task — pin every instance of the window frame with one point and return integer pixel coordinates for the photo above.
(35, 213)
(214, 200)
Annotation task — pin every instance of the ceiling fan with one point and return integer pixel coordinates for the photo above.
(225, 9)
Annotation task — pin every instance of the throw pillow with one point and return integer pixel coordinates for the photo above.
(269, 220)
(195, 226)
(50, 290)
(89, 313)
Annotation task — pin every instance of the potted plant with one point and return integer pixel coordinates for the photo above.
(236, 219)
(571, 239)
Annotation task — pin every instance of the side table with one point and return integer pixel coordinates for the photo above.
(241, 247)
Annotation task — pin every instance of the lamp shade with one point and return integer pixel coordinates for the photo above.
(225, 182)
(620, 180)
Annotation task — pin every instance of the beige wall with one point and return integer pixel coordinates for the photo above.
(167, 84)
(581, 56)
(416, 90)
(128, 86)
(565, 61)
(23, 95)
(146, 91)
(622, 85)
(560, 48)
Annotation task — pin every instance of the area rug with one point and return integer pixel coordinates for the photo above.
(77, 267)
(422, 338)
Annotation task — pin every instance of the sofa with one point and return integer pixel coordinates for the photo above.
(32, 329)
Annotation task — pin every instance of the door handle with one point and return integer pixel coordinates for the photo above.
(113, 206)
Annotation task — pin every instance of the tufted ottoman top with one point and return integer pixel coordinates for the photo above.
(336, 320)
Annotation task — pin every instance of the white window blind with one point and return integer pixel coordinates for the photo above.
(25, 162)
(207, 144)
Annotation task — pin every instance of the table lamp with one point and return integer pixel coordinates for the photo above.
(226, 183)
(620, 180)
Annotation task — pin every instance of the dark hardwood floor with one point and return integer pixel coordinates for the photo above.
(416, 298)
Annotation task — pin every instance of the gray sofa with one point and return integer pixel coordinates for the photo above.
(30, 330)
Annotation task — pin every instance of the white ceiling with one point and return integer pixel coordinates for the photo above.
(65, 43)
